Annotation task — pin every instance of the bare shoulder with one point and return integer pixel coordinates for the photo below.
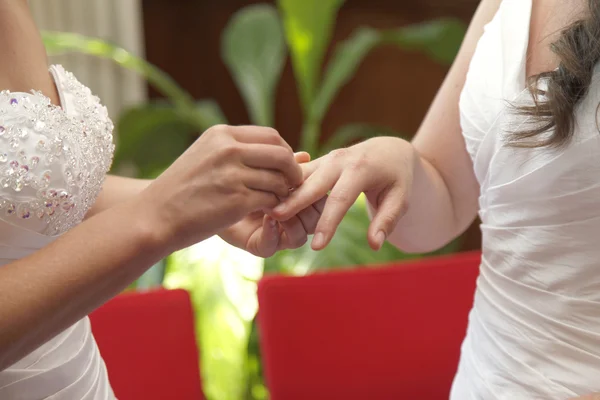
(25, 65)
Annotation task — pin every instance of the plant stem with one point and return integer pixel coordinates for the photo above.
(309, 140)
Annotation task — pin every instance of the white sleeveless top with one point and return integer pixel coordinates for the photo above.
(534, 330)
(53, 161)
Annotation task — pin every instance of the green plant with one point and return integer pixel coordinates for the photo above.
(254, 48)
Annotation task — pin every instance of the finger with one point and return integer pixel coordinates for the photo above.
(273, 157)
(392, 207)
(257, 200)
(294, 234)
(302, 157)
(339, 201)
(320, 205)
(258, 134)
(267, 240)
(311, 191)
(309, 217)
(266, 180)
(309, 168)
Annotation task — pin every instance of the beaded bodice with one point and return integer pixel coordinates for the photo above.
(53, 160)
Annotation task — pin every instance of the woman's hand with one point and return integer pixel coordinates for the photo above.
(227, 174)
(262, 236)
(382, 168)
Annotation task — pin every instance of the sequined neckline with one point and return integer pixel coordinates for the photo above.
(53, 159)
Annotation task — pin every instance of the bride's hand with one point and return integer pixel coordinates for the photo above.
(227, 174)
(382, 168)
(262, 236)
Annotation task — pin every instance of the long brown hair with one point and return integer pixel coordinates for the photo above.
(578, 49)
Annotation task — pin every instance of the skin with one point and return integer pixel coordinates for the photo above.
(221, 185)
(423, 193)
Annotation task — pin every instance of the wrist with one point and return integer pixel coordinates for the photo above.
(149, 233)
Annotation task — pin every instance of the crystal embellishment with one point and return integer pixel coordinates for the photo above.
(54, 159)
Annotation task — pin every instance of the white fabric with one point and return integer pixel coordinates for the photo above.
(534, 330)
(53, 161)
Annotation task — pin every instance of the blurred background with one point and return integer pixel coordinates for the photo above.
(325, 73)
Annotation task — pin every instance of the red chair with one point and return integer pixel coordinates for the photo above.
(147, 341)
(374, 333)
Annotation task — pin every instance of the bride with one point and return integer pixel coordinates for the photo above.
(72, 237)
(514, 137)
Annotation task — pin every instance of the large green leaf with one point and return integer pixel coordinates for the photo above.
(151, 136)
(308, 27)
(253, 48)
(439, 39)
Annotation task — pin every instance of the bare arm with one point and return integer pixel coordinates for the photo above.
(424, 193)
(445, 191)
(228, 173)
(44, 293)
(117, 190)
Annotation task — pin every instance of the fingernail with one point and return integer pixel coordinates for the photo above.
(318, 240)
(279, 208)
(379, 239)
(272, 223)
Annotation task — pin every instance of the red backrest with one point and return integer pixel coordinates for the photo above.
(147, 341)
(375, 333)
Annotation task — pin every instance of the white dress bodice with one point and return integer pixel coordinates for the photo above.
(53, 161)
(534, 330)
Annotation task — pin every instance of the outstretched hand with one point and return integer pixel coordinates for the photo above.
(379, 167)
(261, 235)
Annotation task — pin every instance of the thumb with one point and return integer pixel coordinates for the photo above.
(391, 208)
(267, 241)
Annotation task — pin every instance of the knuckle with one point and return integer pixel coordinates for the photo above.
(359, 163)
(388, 221)
(218, 129)
(338, 154)
(230, 150)
(340, 196)
(272, 135)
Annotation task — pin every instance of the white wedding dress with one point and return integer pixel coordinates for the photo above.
(53, 161)
(534, 330)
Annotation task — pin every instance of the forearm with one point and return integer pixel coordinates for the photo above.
(117, 190)
(46, 292)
